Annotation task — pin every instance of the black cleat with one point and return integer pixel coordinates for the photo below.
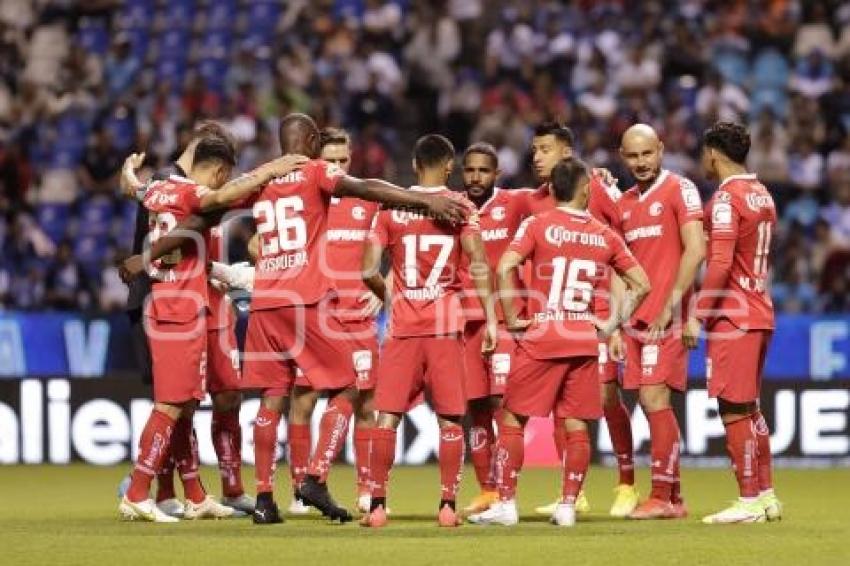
(266, 511)
(317, 495)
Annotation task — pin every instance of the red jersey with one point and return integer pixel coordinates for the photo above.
(425, 261)
(742, 211)
(570, 253)
(179, 279)
(499, 218)
(651, 224)
(292, 216)
(349, 220)
(221, 311)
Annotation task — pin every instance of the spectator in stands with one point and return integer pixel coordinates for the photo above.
(121, 67)
(838, 162)
(67, 286)
(837, 214)
(813, 75)
(805, 165)
(101, 163)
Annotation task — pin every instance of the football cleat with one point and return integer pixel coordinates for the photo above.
(582, 506)
(658, 509)
(772, 506)
(364, 502)
(266, 512)
(448, 517)
(375, 519)
(143, 511)
(209, 508)
(500, 513)
(172, 507)
(738, 512)
(482, 502)
(626, 499)
(564, 515)
(298, 507)
(317, 495)
(243, 504)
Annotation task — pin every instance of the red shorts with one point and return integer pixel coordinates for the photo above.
(734, 362)
(653, 364)
(433, 364)
(608, 368)
(486, 375)
(565, 387)
(223, 373)
(178, 358)
(363, 336)
(305, 336)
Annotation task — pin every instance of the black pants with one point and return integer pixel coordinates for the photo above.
(140, 344)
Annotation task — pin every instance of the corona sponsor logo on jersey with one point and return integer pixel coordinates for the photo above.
(558, 236)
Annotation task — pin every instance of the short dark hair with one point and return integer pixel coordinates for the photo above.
(432, 150)
(334, 136)
(560, 131)
(214, 148)
(206, 128)
(732, 140)
(566, 176)
(483, 148)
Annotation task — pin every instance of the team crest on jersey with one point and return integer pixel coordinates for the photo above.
(690, 194)
(655, 209)
(334, 170)
(358, 213)
(498, 213)
(721, 214)
(723, 196)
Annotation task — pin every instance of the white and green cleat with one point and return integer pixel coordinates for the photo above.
(500, 513)
(738, 512)
(209, 508)
(771, 505)
(143, 511)
(582, 506)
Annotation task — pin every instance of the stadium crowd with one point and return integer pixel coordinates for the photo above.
(81, 87)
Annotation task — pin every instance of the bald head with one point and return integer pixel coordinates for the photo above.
(642, 152)
(299, 134)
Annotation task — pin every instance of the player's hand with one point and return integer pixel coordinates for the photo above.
(130, 268)
(616, 346)
(607, 177)
(655, 331)
(448, 209)
(283, 166)
(518, 325)
(606, 327)
(372, 304)
(491, 339)
(690, 334)
(129, 183)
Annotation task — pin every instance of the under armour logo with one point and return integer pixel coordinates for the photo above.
(262, 421)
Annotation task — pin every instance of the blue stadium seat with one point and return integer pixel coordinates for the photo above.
(136, 14)
(53, 218)
(173, 44)
(216, 44)
(94, 38)
(775, 99)
(214, 72)
(171, 70)
(179, 13)
(263, 15)
(89, 251)
(770, 70)
(732, 65)
(123, 130)
(221, 15)
(139, 42)
(95, 216)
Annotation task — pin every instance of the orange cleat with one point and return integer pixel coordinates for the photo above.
(482, 502)
(375, 519)
(448, 517)
(658, 509)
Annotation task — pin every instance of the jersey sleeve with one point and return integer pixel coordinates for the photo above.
(603, 204)
(687, 204)
(725, 217)
(379, 233)
(523, 242)
(327, 176)
(621, 259)
(193, 198)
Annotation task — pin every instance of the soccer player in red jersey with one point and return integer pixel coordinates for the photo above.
(662, 224)
(294, 309)
(176, 318)
(553, 142)
(426, 340)
(737, 311)
(500, 212)
(349, 220)
(558, 354)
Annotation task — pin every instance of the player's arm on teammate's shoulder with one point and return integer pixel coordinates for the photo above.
(479, 271)
(245, 185)
(376, 190)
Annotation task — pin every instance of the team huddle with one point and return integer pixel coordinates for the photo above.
(503, 304)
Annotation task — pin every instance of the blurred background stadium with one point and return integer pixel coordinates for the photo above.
(84, 83)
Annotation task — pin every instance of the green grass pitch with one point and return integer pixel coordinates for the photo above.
(68, 515)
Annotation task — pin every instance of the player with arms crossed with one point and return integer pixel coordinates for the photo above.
(553, 142)
(557, 356)
(500, 212)
(294, 309)
(662, 225)
(176, 324)
(737, 311)
(426, 342)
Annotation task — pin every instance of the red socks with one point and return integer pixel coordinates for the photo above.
(741, 445)
(299, 452)
(153, 450)
(333, 430)
(765, 459)
(362, 446)
(559, 434)
(184, 447)
(664, 449)
(227, 440)
(620, 430)
(381, 460)
(510, 452)
(451, 461)
(265, 443)
(165, 479)
(482, 437)
(575, 464)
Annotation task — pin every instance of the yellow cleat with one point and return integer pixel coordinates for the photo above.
(772, 506)
(626, 499)
(582, 506)
(482, 502)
